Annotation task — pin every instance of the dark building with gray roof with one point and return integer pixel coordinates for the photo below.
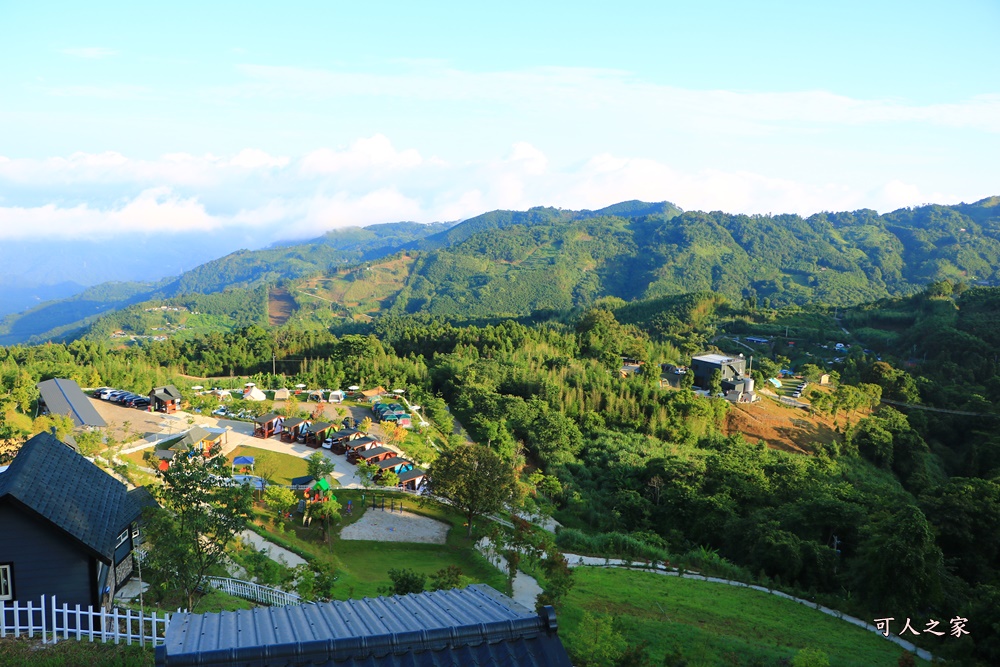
(67, 526)
(471, 626)
(64, 397)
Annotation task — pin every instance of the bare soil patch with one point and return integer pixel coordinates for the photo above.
(379, 526)
(780, 427)
(280, 306)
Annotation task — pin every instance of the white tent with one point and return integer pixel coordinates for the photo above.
(253, 394)
(281, 394)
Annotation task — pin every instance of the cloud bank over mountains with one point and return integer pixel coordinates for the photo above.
(91, 195)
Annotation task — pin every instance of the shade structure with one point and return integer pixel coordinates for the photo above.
(243, 461)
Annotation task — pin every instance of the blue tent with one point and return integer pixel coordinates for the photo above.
(243, 461)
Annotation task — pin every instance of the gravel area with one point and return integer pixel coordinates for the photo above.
(380, 526)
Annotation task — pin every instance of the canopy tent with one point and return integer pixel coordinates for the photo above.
(281, 394)
(243, 461)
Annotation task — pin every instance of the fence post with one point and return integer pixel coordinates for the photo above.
(3, 619)
(117, 629)
(90, 623)
(128, 627)
(41, 612)
(142, 628)
(17, 620)
(79, 630)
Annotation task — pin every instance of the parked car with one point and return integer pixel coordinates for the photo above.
(328, 443)
(100, 390)
(141, 403)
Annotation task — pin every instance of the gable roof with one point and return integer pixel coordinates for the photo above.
(64, 397)
(265, 419)
(393, 462)
(192, 438)
(413, 473)
(54, 482)
(472, 626)
(375, 451)
(167, 392)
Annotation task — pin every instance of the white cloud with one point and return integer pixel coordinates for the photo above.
(375, 152)
(90, 52)
(284, 198)
(152, 211)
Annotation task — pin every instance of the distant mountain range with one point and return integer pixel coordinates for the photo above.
(518, 262)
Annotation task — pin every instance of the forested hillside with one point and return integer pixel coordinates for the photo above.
(898, 516)
(239, 270)
(514, 263)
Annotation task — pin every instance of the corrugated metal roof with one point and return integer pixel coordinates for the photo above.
(471, 626)
(64, 397)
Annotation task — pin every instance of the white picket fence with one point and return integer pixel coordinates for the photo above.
(254, 592)
(54, 622)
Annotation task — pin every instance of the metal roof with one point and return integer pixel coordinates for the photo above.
(715, 358)
(64, 397)
(470, 626)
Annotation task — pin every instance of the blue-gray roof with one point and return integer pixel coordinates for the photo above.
(475, 626)
(64, 397)
(54, 482)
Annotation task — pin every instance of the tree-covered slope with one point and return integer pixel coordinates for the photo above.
(513, 263)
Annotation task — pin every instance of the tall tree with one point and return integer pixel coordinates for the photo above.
(318, 466)
(475, 479)
(201, 512)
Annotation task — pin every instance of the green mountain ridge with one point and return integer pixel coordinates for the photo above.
(514, 263)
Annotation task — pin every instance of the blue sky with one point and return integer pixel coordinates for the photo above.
(293, 119)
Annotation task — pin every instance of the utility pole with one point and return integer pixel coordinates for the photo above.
(273, 362)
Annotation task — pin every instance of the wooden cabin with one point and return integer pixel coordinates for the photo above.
(412, 479)
(267, 425)
(395, 464)
(317, 433)
(291, 427)
(374, 455)
(355, 447)
(340, 439)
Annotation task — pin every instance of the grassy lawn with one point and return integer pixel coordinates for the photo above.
(25, 652)
(714, 624)
(363, 565)
(286, 466)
